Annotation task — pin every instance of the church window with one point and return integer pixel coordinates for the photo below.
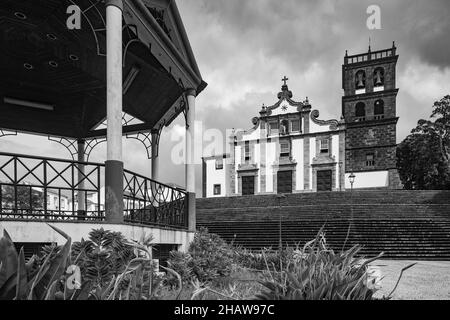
(285, 150)
(379, 109)
(360, 111)
(370, 160)
(219, 164)
(247, 151)
(360, 79)
(273, 127)
(295, 125)
(378, 77)
(217, 189)
(324, 145)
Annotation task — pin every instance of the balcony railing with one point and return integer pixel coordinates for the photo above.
(363, 57)
(47, 189)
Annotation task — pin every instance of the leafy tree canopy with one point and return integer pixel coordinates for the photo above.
(423, 157)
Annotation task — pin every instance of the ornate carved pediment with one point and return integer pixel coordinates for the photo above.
(285, 162)
(247, 167)
(332, 123)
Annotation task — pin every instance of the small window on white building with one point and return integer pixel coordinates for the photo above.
(217, 189)
(295, 125)
(370, 160)
(247, 151)
(285, 150)
(273, 127)
(324, 145)
(219, 164)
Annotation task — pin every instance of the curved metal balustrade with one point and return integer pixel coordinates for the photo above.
(47, 189)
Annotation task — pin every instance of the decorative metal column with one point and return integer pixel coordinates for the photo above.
(190, 161)
(81, 196)
(114, 164)
(155, 154)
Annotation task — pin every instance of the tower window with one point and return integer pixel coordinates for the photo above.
(324, 146)
(378, 77)
(219, 164)
(247, 151)
(370, 160)
(360, 79)
(285, 151)
(217, 189)
(379, 109)
(360, 111)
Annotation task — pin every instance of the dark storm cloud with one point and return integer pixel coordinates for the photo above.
(244, 48)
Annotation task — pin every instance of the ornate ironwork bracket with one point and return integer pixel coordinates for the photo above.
(71, 145)
(90, 145)
(96, 30)
(145, 137)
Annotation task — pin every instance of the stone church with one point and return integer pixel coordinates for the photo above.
(290, 149)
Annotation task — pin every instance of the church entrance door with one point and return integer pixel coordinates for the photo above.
(248, 185)
(324, 180)
(284, 181)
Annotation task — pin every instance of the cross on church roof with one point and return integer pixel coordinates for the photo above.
(284, 80)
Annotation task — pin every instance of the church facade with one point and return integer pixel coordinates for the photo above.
(290, 149)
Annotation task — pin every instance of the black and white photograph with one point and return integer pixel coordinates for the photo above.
(224, 155)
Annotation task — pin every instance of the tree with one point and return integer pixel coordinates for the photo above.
(24, 201)
(423, 158)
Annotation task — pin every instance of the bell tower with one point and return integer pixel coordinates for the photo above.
(369, 111)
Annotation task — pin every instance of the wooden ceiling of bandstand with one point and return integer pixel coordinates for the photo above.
(43, 62)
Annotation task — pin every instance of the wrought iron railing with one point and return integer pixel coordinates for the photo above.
(46, 188)
(40, 188)
(150, 202)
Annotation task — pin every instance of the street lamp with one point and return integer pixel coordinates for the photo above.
(352, 180)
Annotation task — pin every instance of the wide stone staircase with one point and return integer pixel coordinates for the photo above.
(402, 224)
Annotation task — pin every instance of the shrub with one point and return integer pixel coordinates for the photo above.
(208, 258)
(318, 273)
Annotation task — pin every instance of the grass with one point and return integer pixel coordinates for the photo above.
(427, 280)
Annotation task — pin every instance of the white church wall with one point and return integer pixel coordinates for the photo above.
(214, 177)
(335, 154)
(315, 128)
(254, 135)
(297, 155)
(238, 150)
(258, 163)
(270, 159)
(370, 179)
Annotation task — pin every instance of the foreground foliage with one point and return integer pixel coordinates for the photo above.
(112, 268)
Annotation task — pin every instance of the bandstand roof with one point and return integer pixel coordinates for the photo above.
(53, 80)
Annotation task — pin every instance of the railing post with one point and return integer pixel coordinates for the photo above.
(45, 189)
(81, 196)
(15, 186)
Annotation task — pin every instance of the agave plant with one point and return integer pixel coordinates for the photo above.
(318, 273)
(32, 280)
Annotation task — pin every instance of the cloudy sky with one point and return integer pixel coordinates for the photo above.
(244, 48)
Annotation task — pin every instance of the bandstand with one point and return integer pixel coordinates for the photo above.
(124, 68)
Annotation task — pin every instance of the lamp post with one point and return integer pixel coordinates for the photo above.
(352, 180)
